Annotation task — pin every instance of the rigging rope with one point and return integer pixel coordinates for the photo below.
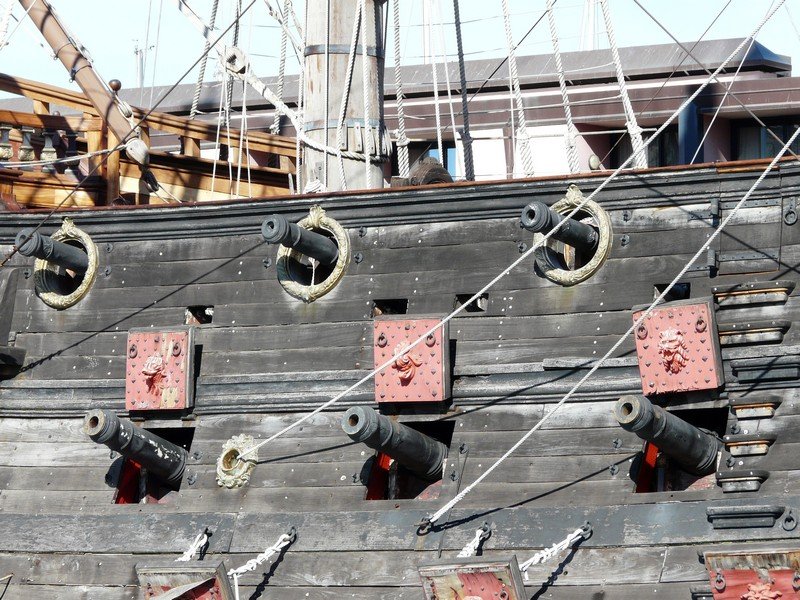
(202, 73)
(68, 160)
(440, 45)
(275, 128)
(5, 21)
(581, 533)
(630, 116)
(200, 541)
(522, 126)
(367, 99)
(402, 351)
(251, 565)
(326, 90)
(437, 110)
(481, 535)
(466, 138)
(402, 140)
(155, 56)
(572, 133)
(348, 80)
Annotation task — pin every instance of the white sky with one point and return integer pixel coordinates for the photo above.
(112, 29)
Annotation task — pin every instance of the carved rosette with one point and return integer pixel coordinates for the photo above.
(761, 591)
(233, 471)
(673, 350)
(316, 220)
(45, 272)
(407, 364)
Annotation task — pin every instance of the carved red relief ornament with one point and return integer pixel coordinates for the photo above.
(761, 591)
(153, 370)
(673, 350)
(407, 364)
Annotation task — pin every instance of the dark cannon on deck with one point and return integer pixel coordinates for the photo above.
(417, 452)
(33, 243)
(161, 458)
(537, 217)
(276, 229)
(694, 449)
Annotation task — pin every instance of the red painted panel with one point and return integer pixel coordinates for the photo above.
(158, 372)
(420, 375)
(745, 584)
(678, 349)
(483, 585)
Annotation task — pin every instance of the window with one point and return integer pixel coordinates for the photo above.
(419, 150)
(663, 152)
(751, 141)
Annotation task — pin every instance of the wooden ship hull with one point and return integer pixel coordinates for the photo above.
(264, 359)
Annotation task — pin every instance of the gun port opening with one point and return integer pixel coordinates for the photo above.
(199, 315)
(308, 271)
(135, 485)
(388, 480)
(395, 306)
(680, 291)
(654, 471)
(65, 281)
(479, 305)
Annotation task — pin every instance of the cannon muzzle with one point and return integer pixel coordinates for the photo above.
(278, 230)
(417, 452)
(693, 448)
(33, 243)
(540, 218)
(160, 457)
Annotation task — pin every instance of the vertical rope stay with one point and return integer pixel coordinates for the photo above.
(367, 96)
(572, 132)
(201, 75)
(466, 138)
(6, 19)
(437, 112)
(275, 128)
(155, 56)
(326, 91)
(402, 140)
(640, 162)
(348, 79)
(522, 127)
(442, 46)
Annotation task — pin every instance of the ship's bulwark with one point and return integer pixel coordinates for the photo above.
(267, 358)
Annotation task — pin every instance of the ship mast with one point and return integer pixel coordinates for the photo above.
(332, 26)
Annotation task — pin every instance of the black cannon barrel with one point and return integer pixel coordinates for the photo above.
(540, 218)
(276, 229)
(160, 457)
(416, 451)
(33, 243)
(693, 448)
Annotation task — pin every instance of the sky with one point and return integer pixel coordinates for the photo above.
(112, 30)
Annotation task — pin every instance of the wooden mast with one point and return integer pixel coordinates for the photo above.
(330, 68)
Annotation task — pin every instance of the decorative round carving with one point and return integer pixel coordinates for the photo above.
(319, 222)
(48, 277)
(550, 259)
(233, 471)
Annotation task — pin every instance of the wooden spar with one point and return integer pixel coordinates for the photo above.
(80, 69)
(341, 18)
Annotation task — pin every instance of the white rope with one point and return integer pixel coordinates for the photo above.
(572, 132)
(472, 546)
(275, 128)
(280, 18)
(326, 89)
(554, 550)
(466, 138)
(437, 110)
(402, 351)
(441, 46)
(252, 564)
(367, 98)
(348, 81)
(463, 493)
(402, 140)
(640, 162)
(5, 21)
(57, 161)
(201, 75)
(522, 127)
(200, 541)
